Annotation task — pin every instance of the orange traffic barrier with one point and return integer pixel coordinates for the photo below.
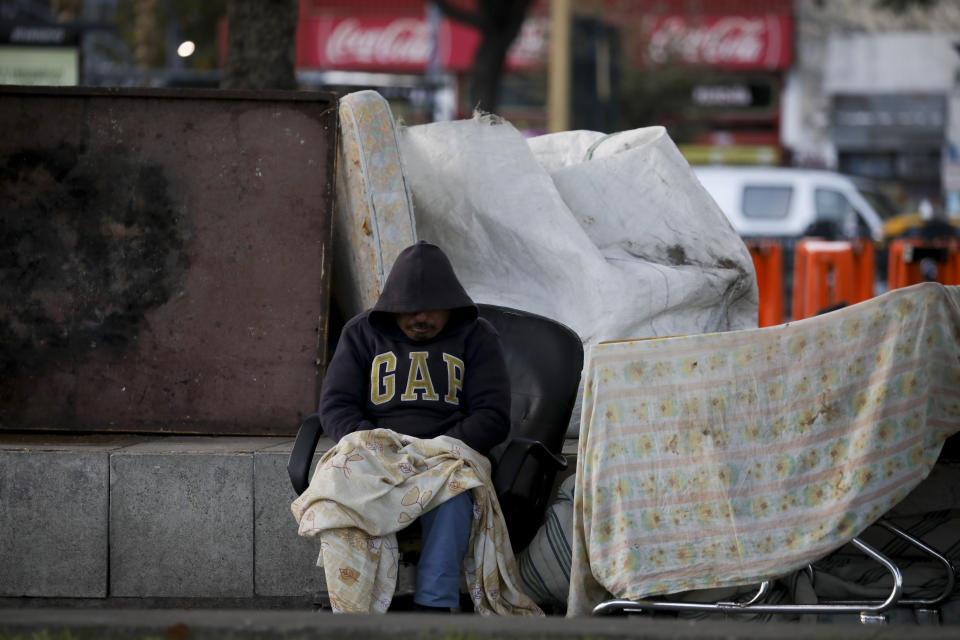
(913, 260)
(823, 276)
(864, 267)
(768, 264)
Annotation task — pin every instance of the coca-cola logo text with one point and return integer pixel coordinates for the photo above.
(728, 40)
(404, 41)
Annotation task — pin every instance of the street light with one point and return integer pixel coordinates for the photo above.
(186, 49)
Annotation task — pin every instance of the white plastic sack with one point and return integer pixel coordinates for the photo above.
(618, 241)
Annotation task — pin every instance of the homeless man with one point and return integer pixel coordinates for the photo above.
(422, 363)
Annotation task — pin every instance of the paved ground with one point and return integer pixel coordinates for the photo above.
(179, 624)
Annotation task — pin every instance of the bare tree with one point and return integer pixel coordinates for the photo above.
(260, 44)
(499, 22)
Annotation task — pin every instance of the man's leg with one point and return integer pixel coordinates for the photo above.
(445, 535)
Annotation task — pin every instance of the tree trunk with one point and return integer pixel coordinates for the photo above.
(261, 38)
(500, 22)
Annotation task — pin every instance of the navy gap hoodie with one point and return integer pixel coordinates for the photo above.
(454, 384)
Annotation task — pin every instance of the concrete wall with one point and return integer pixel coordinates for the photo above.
(151, 517)
(174, 252)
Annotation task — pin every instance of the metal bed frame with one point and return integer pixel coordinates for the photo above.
(870, 611)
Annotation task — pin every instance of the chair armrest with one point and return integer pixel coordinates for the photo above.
(298, 466)
(516, 454)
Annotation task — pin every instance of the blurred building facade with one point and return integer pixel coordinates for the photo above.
(840, 84)
(712, 72)
(870, 90)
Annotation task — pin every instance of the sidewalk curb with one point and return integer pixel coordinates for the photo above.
(74, 624)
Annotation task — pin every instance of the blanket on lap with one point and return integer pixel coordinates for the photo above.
(724, 459)
(374, 483)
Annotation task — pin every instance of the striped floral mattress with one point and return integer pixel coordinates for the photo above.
(722, 459)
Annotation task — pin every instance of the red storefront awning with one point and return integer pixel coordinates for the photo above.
(402, 43)
(371, 35)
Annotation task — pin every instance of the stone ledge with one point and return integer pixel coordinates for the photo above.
(133, 516)
(165, 516)
(53, 522)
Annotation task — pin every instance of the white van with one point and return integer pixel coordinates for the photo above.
(787, 202)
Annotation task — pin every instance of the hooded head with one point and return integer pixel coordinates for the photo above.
(422, 279)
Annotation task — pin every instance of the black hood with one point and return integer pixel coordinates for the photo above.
(422, 279)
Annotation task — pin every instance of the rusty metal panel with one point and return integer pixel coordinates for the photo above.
(164, 258)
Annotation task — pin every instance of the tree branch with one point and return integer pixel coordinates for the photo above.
(460, 15)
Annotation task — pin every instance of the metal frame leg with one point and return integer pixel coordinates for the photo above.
(868, 609)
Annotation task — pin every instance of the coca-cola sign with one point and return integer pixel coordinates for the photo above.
(399, 42)
(403, 43)
(734, 41)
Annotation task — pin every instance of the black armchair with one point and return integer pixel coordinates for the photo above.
(545, 359)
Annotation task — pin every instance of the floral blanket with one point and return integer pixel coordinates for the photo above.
(723, 459)
(374, 483)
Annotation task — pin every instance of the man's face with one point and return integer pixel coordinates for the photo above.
(423, 325)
